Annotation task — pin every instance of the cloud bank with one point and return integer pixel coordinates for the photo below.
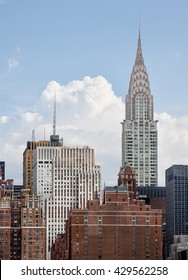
(172, 142)
(88, 112)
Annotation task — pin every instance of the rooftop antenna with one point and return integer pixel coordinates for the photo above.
(54, 119)
(33, 135)
(54, 138)
(44, 134)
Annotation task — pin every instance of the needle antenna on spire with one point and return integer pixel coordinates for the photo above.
(54, 118)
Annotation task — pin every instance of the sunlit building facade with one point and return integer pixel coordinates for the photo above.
(75, 180)
(139, 129)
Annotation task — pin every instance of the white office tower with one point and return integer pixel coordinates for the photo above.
(75, 180)
(139, 130)
(42, 172)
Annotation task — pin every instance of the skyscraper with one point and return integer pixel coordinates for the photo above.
(2, 167)
(28, 157)
(139, 129)
(42, 172)
(65, 178)
(176, 202)
(75, 180)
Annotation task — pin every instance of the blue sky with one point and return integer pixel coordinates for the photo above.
(66, 40)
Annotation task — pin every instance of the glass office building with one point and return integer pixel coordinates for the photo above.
(176, 202)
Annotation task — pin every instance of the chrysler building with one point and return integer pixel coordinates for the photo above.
(139, 129)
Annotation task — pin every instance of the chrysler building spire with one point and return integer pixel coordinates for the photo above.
(139, 57)
(139, 129)
(139, 86)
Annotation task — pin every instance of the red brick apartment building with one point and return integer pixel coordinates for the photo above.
(122, 227)
(22, 228)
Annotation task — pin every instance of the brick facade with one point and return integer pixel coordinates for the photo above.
(122, 227)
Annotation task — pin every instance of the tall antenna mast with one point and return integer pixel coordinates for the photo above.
(54, 138)
(54, 119)
(33, 135)
(44, 134)
(139, 23)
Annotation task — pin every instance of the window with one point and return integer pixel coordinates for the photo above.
(133, 220)
(147, 220)
(100, 220)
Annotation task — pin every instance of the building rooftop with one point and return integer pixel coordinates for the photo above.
(120, 188)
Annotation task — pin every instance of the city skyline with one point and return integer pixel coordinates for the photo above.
(86, 53)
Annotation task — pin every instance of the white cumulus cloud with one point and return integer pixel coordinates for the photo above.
(4, 119)
(172, 139)
(31, 116)
(88, 112)
(88, 104)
